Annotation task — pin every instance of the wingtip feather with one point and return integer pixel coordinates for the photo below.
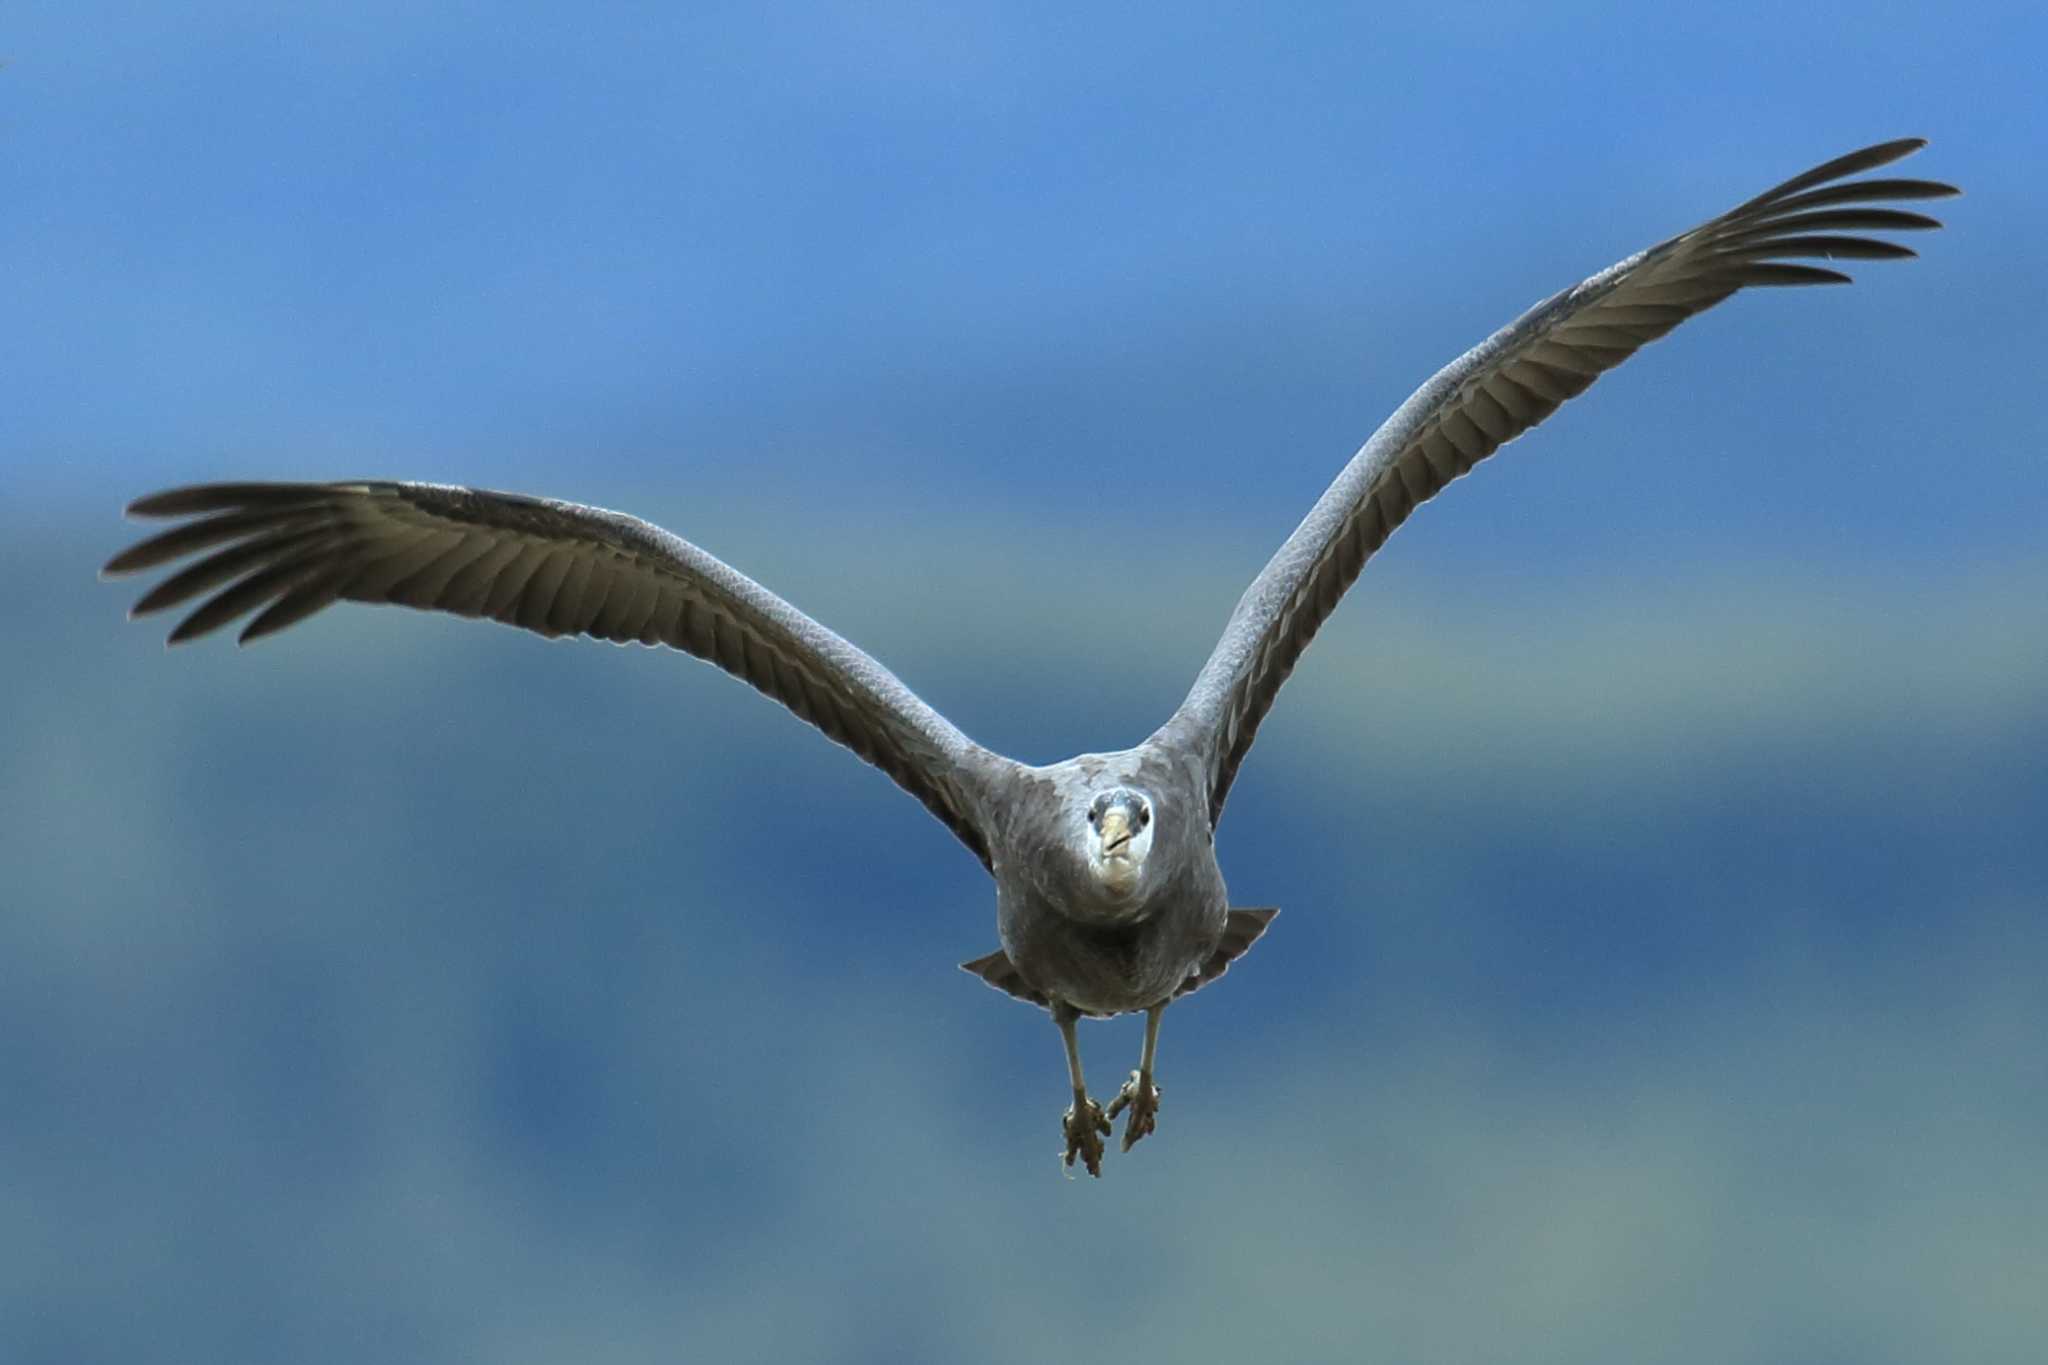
(1829, 173)
(187, 630)
(134, 559)
(1878, 154)
(166, 502)
(190, 499)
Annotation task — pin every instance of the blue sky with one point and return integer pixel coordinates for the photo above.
(909, 252)
(1657, 825)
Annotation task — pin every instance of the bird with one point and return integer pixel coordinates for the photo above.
(1109, 897)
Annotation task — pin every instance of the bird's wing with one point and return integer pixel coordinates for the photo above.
(554, 568)
(1502, 387)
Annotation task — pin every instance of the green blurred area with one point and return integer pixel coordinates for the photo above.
(1659, 975)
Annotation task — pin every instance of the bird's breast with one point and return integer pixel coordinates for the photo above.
(1106, 967)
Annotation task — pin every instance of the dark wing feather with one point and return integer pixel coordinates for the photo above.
(286, 550)
(1501, 388)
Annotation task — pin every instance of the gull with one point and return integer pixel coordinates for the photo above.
(1109, 899)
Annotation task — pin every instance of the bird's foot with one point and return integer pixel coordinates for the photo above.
(1085, 1127)
(1141, 1097)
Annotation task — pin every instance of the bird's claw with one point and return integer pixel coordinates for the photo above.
(1085, 1126)
(1141, 1097)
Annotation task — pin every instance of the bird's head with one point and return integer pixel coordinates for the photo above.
(1118, 838)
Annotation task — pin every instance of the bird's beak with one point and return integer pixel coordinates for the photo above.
(1116, 832)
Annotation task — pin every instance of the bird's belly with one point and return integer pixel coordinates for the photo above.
(1105, 970)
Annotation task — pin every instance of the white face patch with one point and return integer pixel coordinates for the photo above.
(1119, 836)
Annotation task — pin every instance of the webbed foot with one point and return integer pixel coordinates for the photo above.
(1141, 1097)
(1085, 1127)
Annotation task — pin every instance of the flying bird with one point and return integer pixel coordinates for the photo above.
(1108, 894)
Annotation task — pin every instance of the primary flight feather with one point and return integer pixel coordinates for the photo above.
(1108, 894)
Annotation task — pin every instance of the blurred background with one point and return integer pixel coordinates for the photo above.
(1658, 825)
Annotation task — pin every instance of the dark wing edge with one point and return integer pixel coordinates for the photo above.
(1506, 385)
(998, 971)
(554, 568)
(1241, 929)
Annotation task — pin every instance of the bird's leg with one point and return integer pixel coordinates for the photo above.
(1084, 1122)
(1139, 1095)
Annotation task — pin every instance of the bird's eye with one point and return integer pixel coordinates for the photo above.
(1144, 816)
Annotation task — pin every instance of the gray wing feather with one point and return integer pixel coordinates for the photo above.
(286, 550)
(1501, 388)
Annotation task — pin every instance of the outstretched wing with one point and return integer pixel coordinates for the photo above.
(554, 568)
(1507, 384)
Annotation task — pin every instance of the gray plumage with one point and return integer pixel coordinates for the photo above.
(1108, 894)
